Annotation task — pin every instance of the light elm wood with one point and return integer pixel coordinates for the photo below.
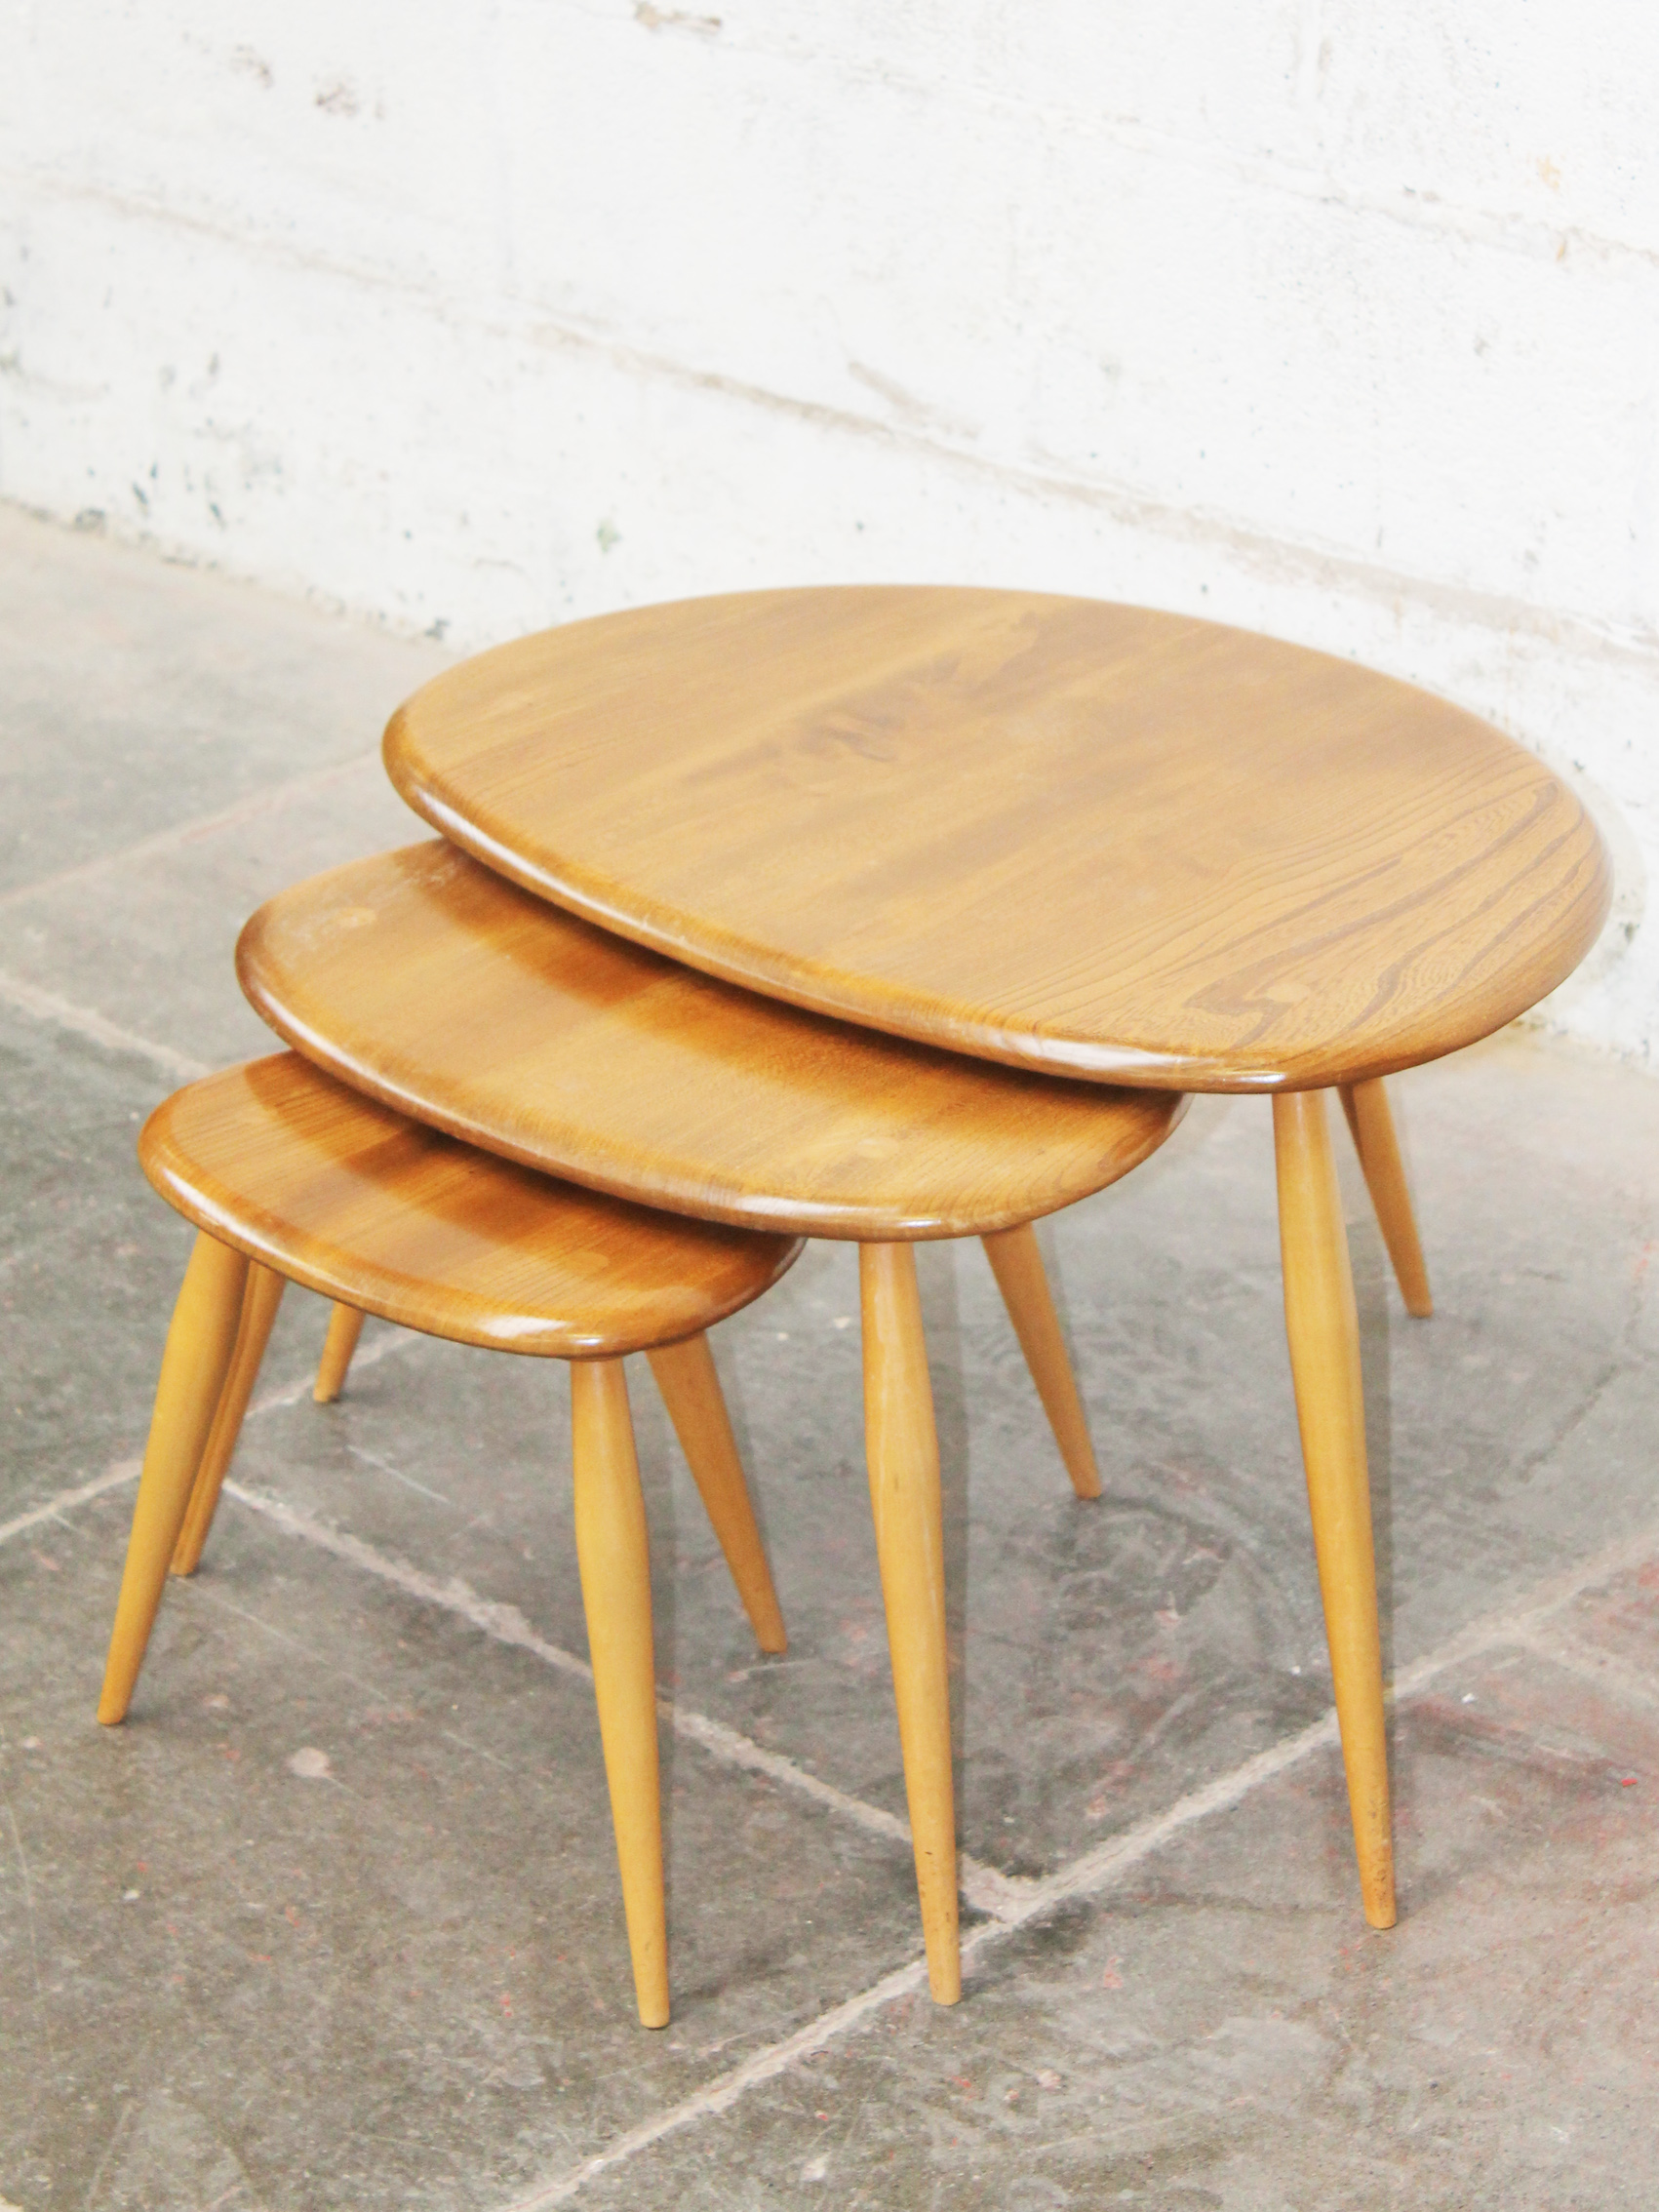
(575, 1051)
(901, 1448)
(602, 1062)
(1131, 845)
(613, 1550)
(1324, 1332)
(1128, 845)
(697, 1406)
(261, 1299)
(1371, 1121)
(287, 1173)
(345, 1326)
(297, 1171)
(200, 1342)
(1017, 1264)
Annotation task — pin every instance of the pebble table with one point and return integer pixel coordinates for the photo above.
(1080, 838)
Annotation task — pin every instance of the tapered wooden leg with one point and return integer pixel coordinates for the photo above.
(903, 1453)
(1017, 1264)
(193, 1368)
(1323, 1330)
(1366, 1107)
(612, 1553)
(260, 1302)
(345, 1326)
(697, 1406)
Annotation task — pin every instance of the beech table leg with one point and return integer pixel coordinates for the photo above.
(614, 1555)
(1017, 1264)
(345, 1326)
(193, 1367)
(260, 1302)
(1371, 1121)
(697, 1406)
(1324, 1332)
(903, 1453)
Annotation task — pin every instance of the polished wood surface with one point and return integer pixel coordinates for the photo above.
(1099, 840)
(306, 1176)
(613, 1552)
(1324, 1332)
(903, 1450)
(287, 1173)
(427, 981)
(1017, 1264)
(345, 1326)
(261, 1300)
(200, 1342)
(1371, 1119)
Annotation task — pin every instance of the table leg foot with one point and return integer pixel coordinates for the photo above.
(345, 1326)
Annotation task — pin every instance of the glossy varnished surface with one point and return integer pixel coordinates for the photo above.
(302, 1175)
(1131, 846)
(432, 984)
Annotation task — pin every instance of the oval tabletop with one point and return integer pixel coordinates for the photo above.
(1110, 843)
(307, 1177)
(431, 983)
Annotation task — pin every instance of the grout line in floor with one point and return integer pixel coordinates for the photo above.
(269, 799)
(984, 1887)
(126, 1470)
(1097, 1869)
(82, 1022)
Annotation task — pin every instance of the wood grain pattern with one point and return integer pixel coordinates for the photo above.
(329, 1187)
(613, 1553)
(1017, 1264)
(1098, 839)
(1371, 1119)
(200, 1339)
(427, 981)
(1324, 1332)
(697, 1406)
(261, 1299)
(345, 1326)
(902, 1450)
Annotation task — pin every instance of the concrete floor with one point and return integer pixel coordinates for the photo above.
(334, 1920)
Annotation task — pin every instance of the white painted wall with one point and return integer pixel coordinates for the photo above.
(1335, 320)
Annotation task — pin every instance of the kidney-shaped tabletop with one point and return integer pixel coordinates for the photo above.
(429, 982)
(1097, 840)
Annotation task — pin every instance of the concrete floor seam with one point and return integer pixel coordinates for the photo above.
(268, 799)
(126, 1470)
(985, 1888)
(95, 1029)
(1096, 1870)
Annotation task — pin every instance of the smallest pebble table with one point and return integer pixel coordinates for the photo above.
(287, 1173)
